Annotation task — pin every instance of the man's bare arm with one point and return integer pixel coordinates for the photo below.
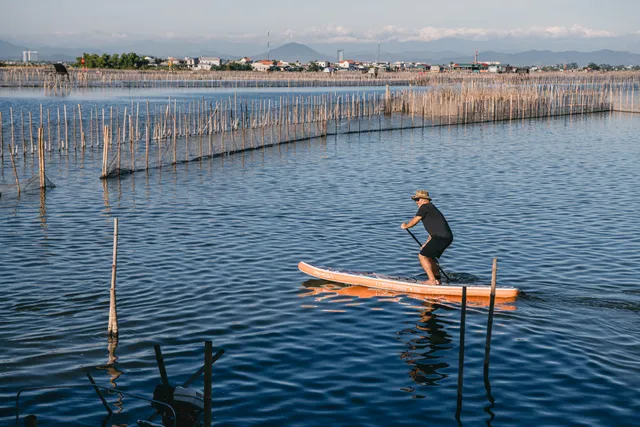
(413, 222)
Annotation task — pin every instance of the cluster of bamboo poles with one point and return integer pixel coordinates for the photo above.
(466, 104)
(234, 124)
(342, 114)
(41, 162)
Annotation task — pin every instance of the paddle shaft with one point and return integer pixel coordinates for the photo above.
(437, 263)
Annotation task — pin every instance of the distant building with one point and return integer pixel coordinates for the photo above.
(340, 55)
(500, 68)
(192, 62)
(245, 60)
(262, 65)
(206, 62)
(171, 61)
(347, 64)
(29, 56)
(474, 67)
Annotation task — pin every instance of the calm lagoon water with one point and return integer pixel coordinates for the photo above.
(208, 250)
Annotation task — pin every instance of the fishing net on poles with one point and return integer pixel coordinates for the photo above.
(169, 150)
(30, 185)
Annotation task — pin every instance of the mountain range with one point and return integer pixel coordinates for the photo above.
(408, 51)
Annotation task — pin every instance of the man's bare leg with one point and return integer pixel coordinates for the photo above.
(436, 270)
(429, 267)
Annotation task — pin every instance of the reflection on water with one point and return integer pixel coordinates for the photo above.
(326, 290)
(427, 342)
(113, 372)
(43, 207)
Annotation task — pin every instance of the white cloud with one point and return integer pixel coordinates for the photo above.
(118, 35)
(328, 33)
(333, 33)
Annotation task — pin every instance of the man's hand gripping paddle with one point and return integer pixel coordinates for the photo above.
(437, 263)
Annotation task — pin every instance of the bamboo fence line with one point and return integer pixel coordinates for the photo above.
(24, 77)
(144, 136)
(103, 78)
(197, 131)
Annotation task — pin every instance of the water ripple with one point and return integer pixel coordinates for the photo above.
(209, 251)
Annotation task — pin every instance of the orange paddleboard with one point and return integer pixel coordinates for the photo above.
(400, 284)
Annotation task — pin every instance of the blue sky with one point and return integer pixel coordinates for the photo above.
(317, 21)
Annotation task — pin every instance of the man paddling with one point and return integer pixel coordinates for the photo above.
(440, 235)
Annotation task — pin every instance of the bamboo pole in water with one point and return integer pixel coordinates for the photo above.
(1, 137)
(41, 158)
(463, 315)
(132, 145)
(97, 127)
(105, 152)
(82, 140)
(160, 361)
(75, 139)
(13, 164)
(58, 126)
(49, 128)
(113, 312)
(90, 127)
(186, 136)
(24, 145)
(12, 147)
(146, 151)
(208, 374)
(487, 345)
(119, 152)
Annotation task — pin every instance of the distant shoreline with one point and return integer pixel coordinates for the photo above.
(45, 77)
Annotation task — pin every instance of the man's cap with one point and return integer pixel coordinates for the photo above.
(421, 194)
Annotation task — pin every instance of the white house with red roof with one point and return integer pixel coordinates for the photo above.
(347, 64)
(262, 65)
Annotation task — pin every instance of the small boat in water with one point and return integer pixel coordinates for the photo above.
(400, 284)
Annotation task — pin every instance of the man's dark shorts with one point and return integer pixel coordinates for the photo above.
(435, 247)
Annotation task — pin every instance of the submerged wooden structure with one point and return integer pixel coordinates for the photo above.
(176, 405)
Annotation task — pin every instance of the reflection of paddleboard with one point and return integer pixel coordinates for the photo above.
(327, 290)
(399, 284)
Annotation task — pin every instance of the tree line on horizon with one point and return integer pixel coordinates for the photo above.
(124, 61)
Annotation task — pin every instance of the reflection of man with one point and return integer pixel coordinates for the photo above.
(426, 350)
(440, 235)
